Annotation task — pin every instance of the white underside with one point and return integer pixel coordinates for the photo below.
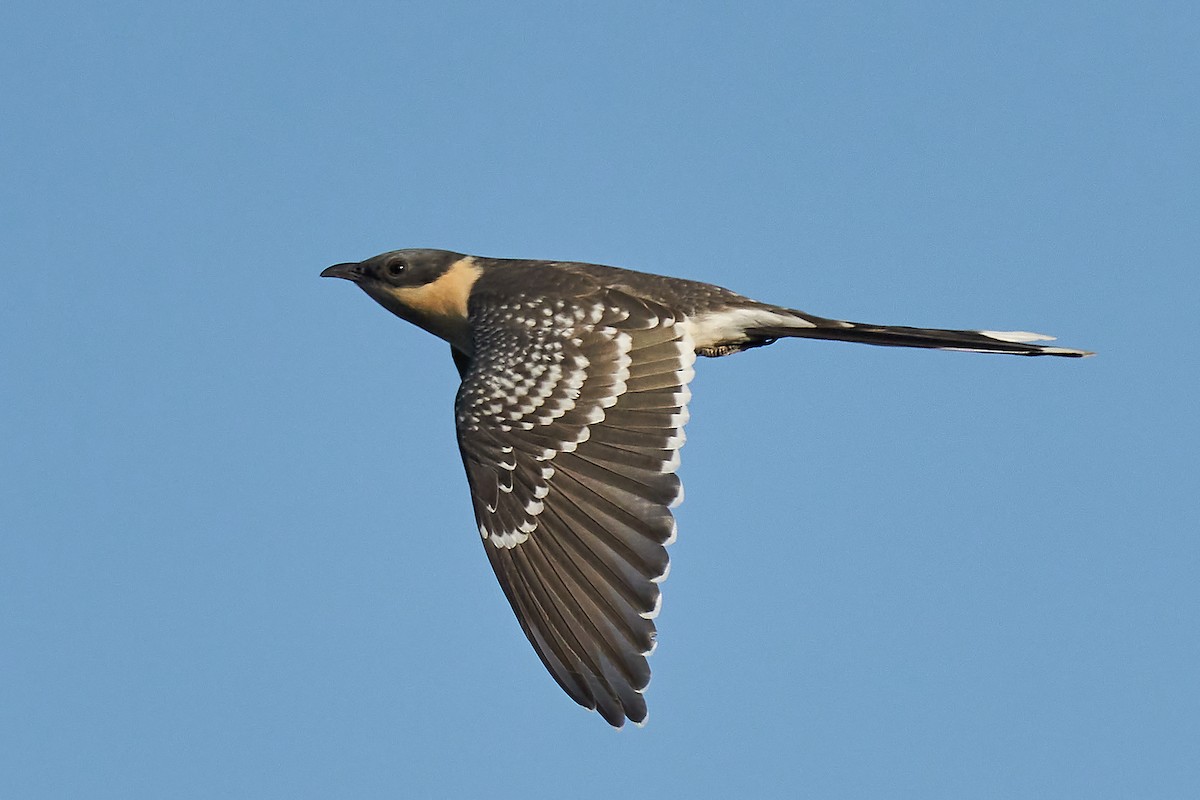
(716, 327)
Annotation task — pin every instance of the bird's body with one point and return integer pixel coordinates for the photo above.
(570, 418)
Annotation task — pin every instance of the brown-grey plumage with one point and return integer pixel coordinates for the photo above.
(570, 417)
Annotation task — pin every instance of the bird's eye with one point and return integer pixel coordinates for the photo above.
(395, 268)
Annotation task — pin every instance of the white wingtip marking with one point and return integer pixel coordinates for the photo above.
(675, 503)
(676, 441)
(652, 613)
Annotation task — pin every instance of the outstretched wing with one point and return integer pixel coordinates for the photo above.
(570, 418)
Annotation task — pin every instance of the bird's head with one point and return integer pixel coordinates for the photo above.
(395, 269)
(428, 288)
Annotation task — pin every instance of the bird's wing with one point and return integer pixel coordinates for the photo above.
(570, 418)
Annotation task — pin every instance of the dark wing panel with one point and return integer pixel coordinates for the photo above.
(570, 418)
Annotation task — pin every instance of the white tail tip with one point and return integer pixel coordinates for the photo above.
(1017, 337)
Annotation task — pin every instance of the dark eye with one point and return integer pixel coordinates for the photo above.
(395, 268)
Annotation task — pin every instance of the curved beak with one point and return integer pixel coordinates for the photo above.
(350, 271)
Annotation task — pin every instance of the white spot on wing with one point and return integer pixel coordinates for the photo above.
(509, 539)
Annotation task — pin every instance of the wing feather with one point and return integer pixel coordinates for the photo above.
(570, 418)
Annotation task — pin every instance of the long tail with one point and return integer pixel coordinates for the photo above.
(1021, 343)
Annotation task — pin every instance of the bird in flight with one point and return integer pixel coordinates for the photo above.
(570, 417)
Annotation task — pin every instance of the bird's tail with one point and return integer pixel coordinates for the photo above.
(807, 326)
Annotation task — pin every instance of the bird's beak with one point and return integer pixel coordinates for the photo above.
(351, 271)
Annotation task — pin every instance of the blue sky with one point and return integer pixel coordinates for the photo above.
(237, 556)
